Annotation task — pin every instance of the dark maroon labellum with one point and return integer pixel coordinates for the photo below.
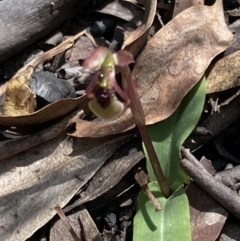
(103, 95)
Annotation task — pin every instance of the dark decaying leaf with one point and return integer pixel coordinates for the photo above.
(170, 65)
(36, 181)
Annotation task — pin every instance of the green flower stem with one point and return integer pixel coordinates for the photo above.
(139, 118)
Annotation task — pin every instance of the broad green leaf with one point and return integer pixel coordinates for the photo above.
(168, 135)
(169, 224)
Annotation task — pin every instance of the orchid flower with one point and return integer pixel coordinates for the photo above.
(104, 102)
(103, 88)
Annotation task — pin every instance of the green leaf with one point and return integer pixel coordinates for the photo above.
(169, 224)
(168, 135)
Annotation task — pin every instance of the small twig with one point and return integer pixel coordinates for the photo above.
(224, 195)
(139, 118)
(67, 223)
(142, 179)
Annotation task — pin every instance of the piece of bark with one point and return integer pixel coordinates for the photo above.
(23, 22)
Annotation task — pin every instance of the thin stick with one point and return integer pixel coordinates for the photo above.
(142, 179)
(223, 194)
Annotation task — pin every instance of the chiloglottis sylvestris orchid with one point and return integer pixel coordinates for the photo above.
(102, 90)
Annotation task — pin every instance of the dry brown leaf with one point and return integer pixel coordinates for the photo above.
(50, 112)
(224, 74)
(184, 4)
(20, 100)
(36, 181)
(150, 10)
(171, 64)
(207, 215)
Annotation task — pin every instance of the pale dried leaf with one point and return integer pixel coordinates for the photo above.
(171, 64)
(20, 100)
(36, 181)
(224, 74)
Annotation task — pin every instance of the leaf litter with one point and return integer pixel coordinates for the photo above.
(172, 59)
(35, 181)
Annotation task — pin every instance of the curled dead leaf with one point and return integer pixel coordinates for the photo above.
(20, 100)
(50, 112)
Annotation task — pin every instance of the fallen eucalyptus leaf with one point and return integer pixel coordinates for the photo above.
(170, 65)
(50, 112)
(36, 181)
(224, 74)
